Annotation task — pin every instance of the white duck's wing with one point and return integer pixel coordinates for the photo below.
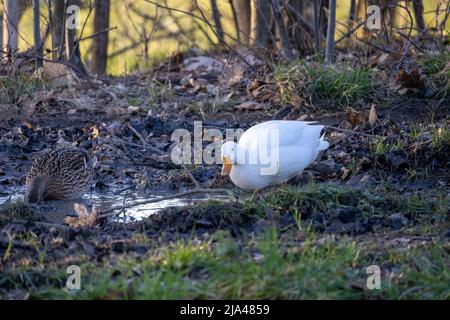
(281, 133)
(283, 164)
(295, 159)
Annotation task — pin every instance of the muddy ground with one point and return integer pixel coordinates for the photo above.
(382, 187)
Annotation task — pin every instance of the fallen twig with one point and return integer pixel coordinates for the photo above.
(125, 189)
(354, 132)
(123, 142)
(145, 144)
(39, 223)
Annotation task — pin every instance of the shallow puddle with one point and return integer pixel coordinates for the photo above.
(56, 211)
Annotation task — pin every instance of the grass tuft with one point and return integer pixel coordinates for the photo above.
(329, 199)
(16, 84)
(437, 69)
(325, 85)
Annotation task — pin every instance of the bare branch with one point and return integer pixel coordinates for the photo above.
(202, 18)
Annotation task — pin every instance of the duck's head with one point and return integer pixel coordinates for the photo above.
(35, 190)
(231, 153)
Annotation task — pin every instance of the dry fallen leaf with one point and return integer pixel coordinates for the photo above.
(403, 91)
(85, 218)
(27, 124)
(373, 115)
(354, 117)
(94, 133)
(410, 79)
(249, 105)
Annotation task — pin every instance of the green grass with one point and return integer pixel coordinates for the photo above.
(434, 64)
(379, 146)
(326, 198)
(414, 145)
(266, 267)
(17, 84)
(325, 85)
(440, 139)
(437, 70)
(158, 91)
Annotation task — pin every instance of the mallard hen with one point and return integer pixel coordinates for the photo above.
(63, 173)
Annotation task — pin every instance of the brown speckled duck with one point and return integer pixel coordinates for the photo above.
(63, 173)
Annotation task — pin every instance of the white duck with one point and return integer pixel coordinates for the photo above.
(271, 153)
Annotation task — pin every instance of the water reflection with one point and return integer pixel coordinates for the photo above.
(56, 211)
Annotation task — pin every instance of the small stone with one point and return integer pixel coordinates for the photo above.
(397, 221)
(133, 109)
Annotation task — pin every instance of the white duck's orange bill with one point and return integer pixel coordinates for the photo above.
(226, 167)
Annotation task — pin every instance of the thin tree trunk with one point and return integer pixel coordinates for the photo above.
(100, 46)
(294, 10)
(75, 58)
(1, 36)
(324, 9)
(72, 45)
(301, 6)
(217, 21)
(37, 34)
(418, 13)
(301, 20)
(284, 38)
(317, 29)
(243, 13)
(261, 23)
(10, 26)
(352, 14)
(299, 26)
(235, 20)
(330, 31)
(58, 26)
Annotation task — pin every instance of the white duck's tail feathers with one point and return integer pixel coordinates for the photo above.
(324, 145)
